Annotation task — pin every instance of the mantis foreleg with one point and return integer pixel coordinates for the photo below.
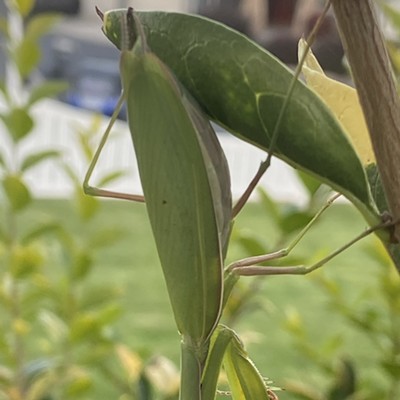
(94, 191)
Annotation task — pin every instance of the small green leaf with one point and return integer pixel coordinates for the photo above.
(344, 386)
(24, 7)
(18, 122)
(270, 206)
(309, 182)
(219, 342)
(39, 231)
(49, 88)
(294, 220)
(98, 296)
(2, 161)
(34, 159)
(377, 190)
(27, 56)
(41, 24)
(72, 175)
(55, 327)
(105, 237)
(87, 205)
(393, 14)
(25, 260)
(113, 176)
(108, 314)
(79, 384)
(245, 382)
(4, 26)
(82, 265)
(84, 326)
(17, 193)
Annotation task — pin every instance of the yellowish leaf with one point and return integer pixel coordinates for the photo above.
(343, 101)
(130, 361)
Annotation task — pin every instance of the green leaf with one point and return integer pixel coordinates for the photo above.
(177, 191)
(309, 182)
(106, 237)
(294, 221)
(393, 14)
(4, 26)
(84, 326)
(25, 260)
(41, 230)
(377, 189)
(243, 88)
(111, 177)
(18, 122)
(270, 206)
(27, 56)
(24, 7)
(49, 88)
(219, 342)
(40, 24)
(98, 296)
(82, 265)
(55, 327)
(34, 159)
(245, 382)
(344, 386)
(17, 193)
(87, 205)
(79, 384)
(2, 161)
(3, 88)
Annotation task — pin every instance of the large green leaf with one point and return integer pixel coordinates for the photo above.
(178, 190)
(243, 87)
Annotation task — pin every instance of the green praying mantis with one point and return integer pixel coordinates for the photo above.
(178, 72)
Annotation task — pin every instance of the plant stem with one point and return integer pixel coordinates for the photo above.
(191, 370)
(365, 49)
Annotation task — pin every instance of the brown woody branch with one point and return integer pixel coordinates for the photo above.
(367, 55)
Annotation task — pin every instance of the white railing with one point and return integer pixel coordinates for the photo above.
(56, 127)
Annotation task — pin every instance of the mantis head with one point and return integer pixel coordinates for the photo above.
(119, 27)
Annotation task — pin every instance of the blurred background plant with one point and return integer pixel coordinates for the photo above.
(57, 335)
(61, 315)
(371, 312)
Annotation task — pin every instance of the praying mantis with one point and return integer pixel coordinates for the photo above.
(178, 72)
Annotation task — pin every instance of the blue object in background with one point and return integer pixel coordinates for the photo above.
(95, 86)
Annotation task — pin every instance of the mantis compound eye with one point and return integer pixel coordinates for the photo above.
(99, 13)
(120, 27)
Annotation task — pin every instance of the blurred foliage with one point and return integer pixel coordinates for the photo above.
(288, 222)
(56, 326)
(378, 321)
